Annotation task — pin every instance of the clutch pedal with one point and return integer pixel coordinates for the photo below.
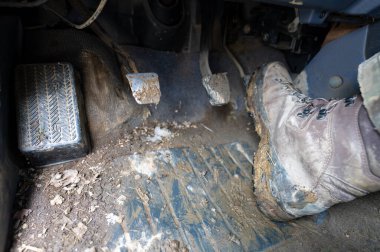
(145, 87)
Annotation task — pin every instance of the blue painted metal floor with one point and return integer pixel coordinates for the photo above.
(199, 199)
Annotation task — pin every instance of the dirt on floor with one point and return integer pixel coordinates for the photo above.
(67, 206)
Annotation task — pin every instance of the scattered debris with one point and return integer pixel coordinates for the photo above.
(98, 193)
(43, 234)
(186, 124)
(67, 210)
(65, 221)
(146, 113)
(57, 200)
(93, 249)
(207, 128)
(93, 208)
(143, 196)
(143, 164)
(159, 134)
(80, 230)
(190, 188)
(121, 200)
(67, 179)
(113, 219)
(30, 248)
(183, 125)
(143, 244)
(234, 239)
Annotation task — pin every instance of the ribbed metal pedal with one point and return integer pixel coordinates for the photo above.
(50, 121)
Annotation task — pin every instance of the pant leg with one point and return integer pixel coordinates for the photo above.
(369, 82)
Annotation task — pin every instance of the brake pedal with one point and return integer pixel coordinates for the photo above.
(216, 85)
(51, 123)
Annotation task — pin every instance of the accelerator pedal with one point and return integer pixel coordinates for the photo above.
(51, 122)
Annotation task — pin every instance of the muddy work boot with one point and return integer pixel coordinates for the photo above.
(313, 153)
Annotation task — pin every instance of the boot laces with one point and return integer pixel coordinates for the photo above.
(323, 106)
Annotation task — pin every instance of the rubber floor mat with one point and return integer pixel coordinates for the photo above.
(199, 199)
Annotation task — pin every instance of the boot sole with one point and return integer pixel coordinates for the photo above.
(262, 159)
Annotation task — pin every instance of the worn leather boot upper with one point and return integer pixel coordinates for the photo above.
(312, 154)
